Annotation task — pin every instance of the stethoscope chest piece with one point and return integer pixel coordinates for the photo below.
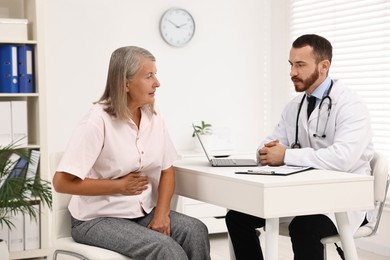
(295, 146)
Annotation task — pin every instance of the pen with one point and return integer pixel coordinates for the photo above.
(256, 172)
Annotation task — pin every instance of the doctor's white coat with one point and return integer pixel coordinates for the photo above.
(347, 145)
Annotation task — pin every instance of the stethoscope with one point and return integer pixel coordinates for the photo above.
(296, 144)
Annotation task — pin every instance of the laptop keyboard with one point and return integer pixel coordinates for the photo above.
(224, 161)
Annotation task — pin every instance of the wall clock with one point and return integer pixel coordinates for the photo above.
(177, 27)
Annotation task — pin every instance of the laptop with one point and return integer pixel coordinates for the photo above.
(225, 162)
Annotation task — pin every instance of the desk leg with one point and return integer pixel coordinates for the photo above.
(346, 236)
(271, 238)
(231, 250)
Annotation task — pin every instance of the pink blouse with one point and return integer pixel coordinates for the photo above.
(103, 147)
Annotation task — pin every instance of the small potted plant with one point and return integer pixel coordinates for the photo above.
(18, 192)
(205, 132)
(203, 129)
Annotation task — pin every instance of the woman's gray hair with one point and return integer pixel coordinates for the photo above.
(124, 64)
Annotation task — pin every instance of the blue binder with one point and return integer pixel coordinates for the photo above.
(9, 69)
(25, 69)
(17, 171)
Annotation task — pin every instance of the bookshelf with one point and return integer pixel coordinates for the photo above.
(32, 10)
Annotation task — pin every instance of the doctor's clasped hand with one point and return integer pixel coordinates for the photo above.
(272, 154)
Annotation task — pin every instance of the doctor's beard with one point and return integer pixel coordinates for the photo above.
(307, 83)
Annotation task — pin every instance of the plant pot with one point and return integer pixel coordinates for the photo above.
(207, 141)
(4, 253)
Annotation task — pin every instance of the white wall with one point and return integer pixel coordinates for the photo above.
(233, 70)
(220, 76)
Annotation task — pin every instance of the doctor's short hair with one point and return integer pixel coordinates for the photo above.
(322, 48)
(124, 64)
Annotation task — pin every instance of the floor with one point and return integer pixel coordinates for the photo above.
(220, 249)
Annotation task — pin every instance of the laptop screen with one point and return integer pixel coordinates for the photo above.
(200, 141)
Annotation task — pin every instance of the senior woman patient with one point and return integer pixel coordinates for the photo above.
(118, 168)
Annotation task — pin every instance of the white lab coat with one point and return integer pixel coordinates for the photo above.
(347, 146)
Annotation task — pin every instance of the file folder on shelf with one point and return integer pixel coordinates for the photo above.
(5, 123)
(32, 168)
(19, 169)
(16, 235)
(25, 69)
(19, 122)
(33, 164)
(9, 69)
(4, 230)
(32, 238)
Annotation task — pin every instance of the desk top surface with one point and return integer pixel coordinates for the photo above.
(201, 166)
(309, 192)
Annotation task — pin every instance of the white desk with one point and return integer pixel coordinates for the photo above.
(272, 197)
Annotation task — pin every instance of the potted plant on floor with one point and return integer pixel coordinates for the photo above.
(17, 192)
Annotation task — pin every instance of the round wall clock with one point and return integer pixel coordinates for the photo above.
(177, 27)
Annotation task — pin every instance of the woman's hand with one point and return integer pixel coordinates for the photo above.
(131, 184)
(161, 223)
(134, 183)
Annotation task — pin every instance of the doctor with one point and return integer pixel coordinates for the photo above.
(336, 135)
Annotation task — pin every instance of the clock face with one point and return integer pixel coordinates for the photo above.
(177, 27)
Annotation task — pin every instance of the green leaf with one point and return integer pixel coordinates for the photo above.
(18, 194)
(202, 129)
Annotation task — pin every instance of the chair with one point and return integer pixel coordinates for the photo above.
(63, 242)
(380, 171)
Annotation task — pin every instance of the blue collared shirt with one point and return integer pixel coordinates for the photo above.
(321, 90)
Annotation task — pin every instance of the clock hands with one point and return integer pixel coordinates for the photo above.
(173, 23)
(177, 26)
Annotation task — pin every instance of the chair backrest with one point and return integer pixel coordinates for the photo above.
(62, 225)
(380, 171)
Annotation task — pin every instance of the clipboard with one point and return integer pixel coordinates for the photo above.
(283, 170)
